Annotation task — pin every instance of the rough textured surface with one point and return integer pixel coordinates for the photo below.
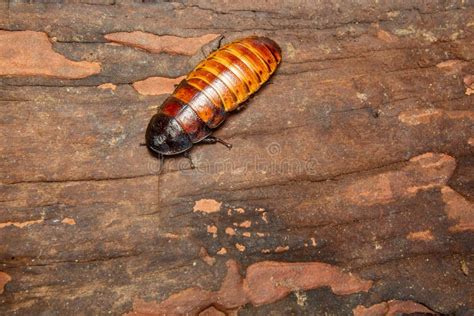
(358, 154)
(265, 283)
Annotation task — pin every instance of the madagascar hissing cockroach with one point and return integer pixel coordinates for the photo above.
(217, 86)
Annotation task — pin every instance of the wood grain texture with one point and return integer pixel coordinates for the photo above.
(357, 154)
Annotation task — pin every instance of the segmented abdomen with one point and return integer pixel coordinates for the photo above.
(220, 83)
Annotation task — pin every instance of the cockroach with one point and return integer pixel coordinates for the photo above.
(217, 86)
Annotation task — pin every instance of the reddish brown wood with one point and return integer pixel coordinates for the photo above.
(357, 155)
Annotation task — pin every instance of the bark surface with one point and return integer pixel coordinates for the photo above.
(349, 187)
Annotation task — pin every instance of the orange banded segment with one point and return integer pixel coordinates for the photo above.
(207, 89)
(260, 66)
(232, 82)
(262, 53)
(192, 124)
(253, 61)
(197, 100)
(212, 116)
(239, 68)
(273, 47)
(185, 92)
(172, 106)
(227, 97)
(262, 49)
(241, 82)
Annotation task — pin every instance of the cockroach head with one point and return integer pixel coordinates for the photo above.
(164, 136)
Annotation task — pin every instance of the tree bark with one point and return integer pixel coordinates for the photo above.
(349, 186)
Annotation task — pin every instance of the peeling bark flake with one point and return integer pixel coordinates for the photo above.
(161, 43)
(29, 53)
(156, 85)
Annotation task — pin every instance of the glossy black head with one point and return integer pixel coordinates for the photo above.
(165, 136)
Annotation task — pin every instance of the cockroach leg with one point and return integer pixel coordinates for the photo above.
(219, 43)
(177, 84)
(187, 155)
(241, 107)
(213, 140)
(162, 163)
